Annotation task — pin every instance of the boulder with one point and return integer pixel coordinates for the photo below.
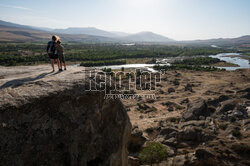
(194, 135)
(181, 160)
(223, 98)
(246, 125)
(171, 151)
(132, 161)
(176, 82)
(189, 87)
(169, 132)
(195, 110)
(227, 106)
(170, 90)
(202, 153)
(245, 93)
(54, 120)
(136, 141)
(185, 101)
(196, 123)
(213, 102)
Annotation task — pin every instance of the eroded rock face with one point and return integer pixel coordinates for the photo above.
(65, 126)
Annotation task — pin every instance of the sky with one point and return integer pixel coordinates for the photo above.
(176, 19)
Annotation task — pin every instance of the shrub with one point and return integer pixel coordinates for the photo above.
(198, 61)
(154, 152)
(107, 70)
(103, 63)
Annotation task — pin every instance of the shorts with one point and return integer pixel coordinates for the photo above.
(61, 58)
(53, 56)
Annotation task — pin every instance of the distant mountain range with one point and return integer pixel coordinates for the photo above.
(12, 32)
(147, 37)
(87, 31)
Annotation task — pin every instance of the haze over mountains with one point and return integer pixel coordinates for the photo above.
(11, 32)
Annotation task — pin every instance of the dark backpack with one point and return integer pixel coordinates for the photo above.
(51, 49)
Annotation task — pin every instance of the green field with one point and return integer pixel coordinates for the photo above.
(34, 53)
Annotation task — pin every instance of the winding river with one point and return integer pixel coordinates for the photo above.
(234, 58)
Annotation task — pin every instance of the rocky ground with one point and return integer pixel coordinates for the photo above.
(51, 119)
(202, 118)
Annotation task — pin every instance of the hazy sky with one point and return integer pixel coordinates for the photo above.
(177, 19)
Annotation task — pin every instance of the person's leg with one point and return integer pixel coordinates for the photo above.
(58, 63)
(61, 64)
(64, 65)
(63, 61)
(52, 64)
(60, 60)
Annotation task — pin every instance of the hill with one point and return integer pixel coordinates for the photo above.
(25, 34)
(87, 31)
(243, 41)
(11, 32)
(147, 37)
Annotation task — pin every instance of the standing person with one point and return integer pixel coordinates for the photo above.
(60, 50)
(51, 50)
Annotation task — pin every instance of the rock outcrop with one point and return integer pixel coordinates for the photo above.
(53, 120)
(195, 110)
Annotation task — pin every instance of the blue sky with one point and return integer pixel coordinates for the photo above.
(177, 19)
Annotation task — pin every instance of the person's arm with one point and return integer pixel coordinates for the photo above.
(47, 49)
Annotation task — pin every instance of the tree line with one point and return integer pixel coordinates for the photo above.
(32, 53)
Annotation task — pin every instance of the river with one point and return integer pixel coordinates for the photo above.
(234, 58)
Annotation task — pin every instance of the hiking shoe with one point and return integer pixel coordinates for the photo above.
(60, 70)
(65, 69)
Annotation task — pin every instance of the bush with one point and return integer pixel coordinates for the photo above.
(154, 152)
(186, 67)
(103, 63)
(199, 61)
(108, 70)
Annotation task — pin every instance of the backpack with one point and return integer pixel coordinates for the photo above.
(51, 49)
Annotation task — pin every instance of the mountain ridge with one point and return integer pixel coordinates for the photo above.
(10, 32)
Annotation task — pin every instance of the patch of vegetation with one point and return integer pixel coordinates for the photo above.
(102, 63)
(154, 152)
(198, 61)
(225, 64)
(186, 67)
(32, 53)
(108, 70)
